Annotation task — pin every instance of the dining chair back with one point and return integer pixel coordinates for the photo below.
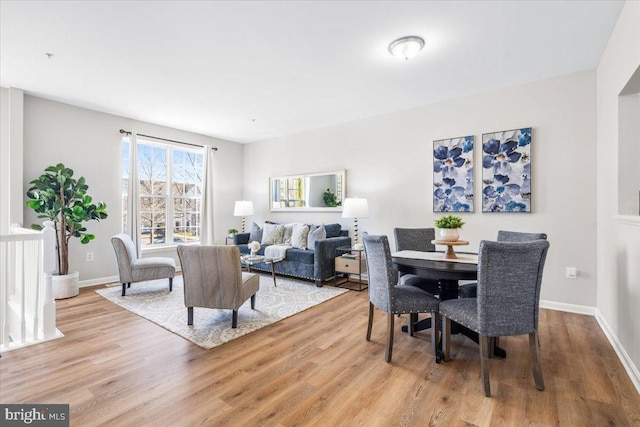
(469, 290)
(386, 294)
(509, 281)
(416, 239)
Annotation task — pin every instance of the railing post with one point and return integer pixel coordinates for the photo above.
(48, 266)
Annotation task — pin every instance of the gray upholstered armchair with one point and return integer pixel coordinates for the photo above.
(509, 280)
(134, 269)
(213, 278)
(386, 294)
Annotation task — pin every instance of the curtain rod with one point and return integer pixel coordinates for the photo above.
(126, 132)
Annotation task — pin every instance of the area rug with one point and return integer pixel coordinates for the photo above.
(212, 327)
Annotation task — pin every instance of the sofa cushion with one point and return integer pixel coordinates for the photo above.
(288, 232)
(272, 234)
(316, 234)
(256, 233)
(333, 230)
(300, 255)
(299, 236)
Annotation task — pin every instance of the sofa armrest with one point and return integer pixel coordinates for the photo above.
(241, 238)
(324, 258)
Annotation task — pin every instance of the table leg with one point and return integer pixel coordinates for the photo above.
(273, 274)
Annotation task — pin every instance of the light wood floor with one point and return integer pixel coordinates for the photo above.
(315, 368)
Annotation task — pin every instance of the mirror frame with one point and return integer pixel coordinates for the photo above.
(341, 172)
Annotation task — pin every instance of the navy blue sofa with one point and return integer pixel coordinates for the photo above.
(317, 264)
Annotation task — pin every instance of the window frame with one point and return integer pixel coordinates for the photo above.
(169, 195)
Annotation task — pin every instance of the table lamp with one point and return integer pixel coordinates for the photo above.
(355, 208)
(243, 208)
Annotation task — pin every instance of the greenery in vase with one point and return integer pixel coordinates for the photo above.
(449, 221)
(330, 198)
(60, 198)
(232, 231)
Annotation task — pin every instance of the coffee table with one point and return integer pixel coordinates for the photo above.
(250, 260)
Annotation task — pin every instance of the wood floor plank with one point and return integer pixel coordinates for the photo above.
(315, 368)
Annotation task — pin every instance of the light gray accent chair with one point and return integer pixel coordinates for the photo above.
(509, 281)
(386, 294)
(469, 290)
(133, 269)
(213, 278)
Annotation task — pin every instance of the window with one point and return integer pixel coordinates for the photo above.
(170, 187)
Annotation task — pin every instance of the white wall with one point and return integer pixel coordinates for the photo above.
(89, 143)
(389, 161)
(5, 161)
(618, 237)
(10, 157)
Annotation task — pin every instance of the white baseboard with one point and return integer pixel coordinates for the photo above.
(98, 281)
(570, 308)
(628, 364)
(105, 280)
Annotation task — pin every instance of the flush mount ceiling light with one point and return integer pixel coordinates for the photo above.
(406, 47)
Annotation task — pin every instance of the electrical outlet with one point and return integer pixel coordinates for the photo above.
(89, 256)
(571, 273)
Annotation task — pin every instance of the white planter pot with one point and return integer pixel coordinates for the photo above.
(449, 234)
(65, 286)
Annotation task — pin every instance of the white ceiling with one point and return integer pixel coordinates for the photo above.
(214, 67)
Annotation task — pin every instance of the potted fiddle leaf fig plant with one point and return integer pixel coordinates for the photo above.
(57, 196)
(448, 227)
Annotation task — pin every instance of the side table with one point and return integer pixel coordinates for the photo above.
(350, 261)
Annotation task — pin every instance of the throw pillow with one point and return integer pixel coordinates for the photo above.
(299, 236)
(316, 234)
(272, 234)
(333, 230)
(288, 231)
(256, 233)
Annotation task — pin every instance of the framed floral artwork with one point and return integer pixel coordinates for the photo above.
(506, 171)
(453, 174)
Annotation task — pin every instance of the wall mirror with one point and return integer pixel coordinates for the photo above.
(321, 192)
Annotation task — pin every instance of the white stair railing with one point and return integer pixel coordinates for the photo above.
(27, 307)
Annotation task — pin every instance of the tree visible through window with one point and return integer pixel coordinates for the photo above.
(170, 187)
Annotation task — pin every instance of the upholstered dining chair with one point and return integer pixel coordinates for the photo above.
(213, 278)
(468, 290)
(509, 280)
(386, 294)
(134, 269)
(416, 239)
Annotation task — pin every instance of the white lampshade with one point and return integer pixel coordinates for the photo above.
(243, 208)
(406, 47)
(355, 208)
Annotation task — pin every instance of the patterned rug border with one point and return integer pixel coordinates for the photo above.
(152, 301)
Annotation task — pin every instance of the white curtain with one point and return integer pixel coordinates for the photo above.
(206, 214)
(133, 212)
